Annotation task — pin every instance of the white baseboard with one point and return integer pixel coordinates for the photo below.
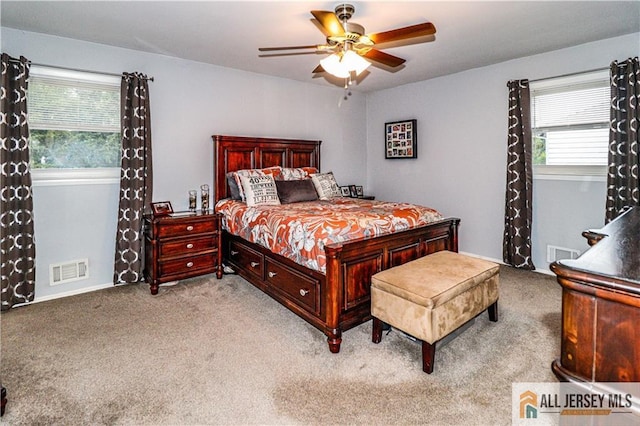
(490, 259)
(71, 293)
(109, 285)
(545, 272)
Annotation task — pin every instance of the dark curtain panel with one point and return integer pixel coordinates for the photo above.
(516, 249)
(136, 178)
(18, 270)
(623, 187)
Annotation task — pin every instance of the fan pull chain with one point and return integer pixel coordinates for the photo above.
(347, 84)
(345, 17)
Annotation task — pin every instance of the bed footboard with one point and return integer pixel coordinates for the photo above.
(351, 265)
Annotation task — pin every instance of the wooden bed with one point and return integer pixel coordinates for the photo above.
(339, 300)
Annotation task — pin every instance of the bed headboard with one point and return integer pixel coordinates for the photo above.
(233, 153)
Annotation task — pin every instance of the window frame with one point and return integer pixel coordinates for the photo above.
(563, 83)
(75, 176)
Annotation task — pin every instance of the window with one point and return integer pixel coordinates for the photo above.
(570, 124)
(74, 123)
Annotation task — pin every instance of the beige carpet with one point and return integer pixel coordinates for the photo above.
(210, 351)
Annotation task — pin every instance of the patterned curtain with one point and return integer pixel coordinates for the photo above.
(136, 178)
(17, 270)
(516, 250)
(623, 186)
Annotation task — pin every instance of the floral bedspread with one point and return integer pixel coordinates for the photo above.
(299, 231)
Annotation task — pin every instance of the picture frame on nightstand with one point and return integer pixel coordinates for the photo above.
(161, 208)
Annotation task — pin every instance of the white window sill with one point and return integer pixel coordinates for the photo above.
(61, 177)
(573, 173)
(576, 178)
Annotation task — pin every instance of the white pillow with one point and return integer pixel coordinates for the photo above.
(260, 190)
(274, 171)
(326, 185)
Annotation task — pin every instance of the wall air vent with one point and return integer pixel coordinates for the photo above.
(558, 253)
(73, 270)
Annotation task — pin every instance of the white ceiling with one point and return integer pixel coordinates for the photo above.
(228, 33)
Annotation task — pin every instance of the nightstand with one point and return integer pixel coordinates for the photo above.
(182, 245)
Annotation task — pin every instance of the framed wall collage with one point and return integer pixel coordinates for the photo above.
(401, 139)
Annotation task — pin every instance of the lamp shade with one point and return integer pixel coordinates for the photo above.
(333, 66)
(354, 62)
(341, 65)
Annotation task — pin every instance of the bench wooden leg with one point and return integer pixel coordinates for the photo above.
(3, 400)
(493, 311)
(376, 334)
(428, 356)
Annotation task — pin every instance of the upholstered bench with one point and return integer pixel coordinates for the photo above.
(430, 297)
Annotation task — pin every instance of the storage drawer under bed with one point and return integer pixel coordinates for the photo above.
(303, 290)
(247, 259)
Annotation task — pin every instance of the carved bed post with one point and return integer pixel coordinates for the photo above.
(333, 295)
(453, 230)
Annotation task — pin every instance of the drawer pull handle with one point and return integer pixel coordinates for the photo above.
(254, 264)
(189, 246)
(272, 274)
(189, 264)
(303, 292)
(233, 252)
(190, 228)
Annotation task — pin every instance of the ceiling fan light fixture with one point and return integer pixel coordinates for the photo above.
(341, 65)
(354, 62)
(333, 66)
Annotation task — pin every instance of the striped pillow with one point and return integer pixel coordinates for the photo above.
(260, 190)
(274, 171)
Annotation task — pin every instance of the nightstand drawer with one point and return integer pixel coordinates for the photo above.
(183, 228)
(188, 246)
(188, 264)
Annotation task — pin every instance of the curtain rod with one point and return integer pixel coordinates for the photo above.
(74, 69)
(620, 65)
(567, 75)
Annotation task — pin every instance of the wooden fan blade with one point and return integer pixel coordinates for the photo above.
(318, 69)
(270, 49)
(281, 54)
(413, 31)
(329, 21)
(384, 58)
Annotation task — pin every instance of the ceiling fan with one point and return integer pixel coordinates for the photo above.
(349, 47)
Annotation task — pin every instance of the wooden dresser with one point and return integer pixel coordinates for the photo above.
(601, 306)
(181, 245)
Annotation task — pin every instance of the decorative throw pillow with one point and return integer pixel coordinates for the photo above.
(294, 191)
(289, 173)
(234, 191)
(326, 185)
(260, 190)
(274, 171)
